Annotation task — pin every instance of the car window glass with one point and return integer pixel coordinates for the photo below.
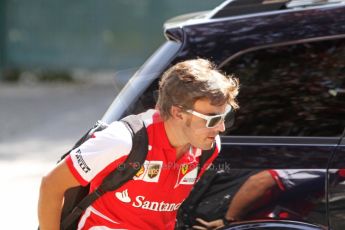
(146, 101)
(295, 90)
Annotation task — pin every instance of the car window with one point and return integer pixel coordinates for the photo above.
(294, 90)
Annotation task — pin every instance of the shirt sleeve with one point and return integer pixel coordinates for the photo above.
(290, 179)
(98, 152)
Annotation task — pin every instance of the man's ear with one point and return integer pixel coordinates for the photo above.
(176, 112)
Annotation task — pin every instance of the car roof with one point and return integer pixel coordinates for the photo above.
(235, 9)
(241, 7)
(244, 8)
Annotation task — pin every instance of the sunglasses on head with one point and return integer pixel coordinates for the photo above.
(214, 120)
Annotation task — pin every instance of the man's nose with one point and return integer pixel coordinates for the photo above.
(221, 126)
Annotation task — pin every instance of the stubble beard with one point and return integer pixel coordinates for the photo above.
(202, 144)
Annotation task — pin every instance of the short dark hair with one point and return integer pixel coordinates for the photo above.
(188, 81)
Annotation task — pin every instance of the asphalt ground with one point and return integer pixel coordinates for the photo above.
(39, 122)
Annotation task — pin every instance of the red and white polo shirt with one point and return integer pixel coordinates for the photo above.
(151, 199)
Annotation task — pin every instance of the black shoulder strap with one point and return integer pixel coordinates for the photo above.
(134, 160)
(99, 126)
(205, 155)
(120, 175)
(199, 189)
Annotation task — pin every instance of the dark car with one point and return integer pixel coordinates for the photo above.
(290, 59)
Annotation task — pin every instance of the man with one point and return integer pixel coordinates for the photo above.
(279, 194)
(194, 99)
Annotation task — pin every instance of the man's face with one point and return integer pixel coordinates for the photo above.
(195, 127)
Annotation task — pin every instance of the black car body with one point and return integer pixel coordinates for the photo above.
(290, 59)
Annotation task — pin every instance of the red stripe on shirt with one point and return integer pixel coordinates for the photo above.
(75, 173)
(275, 176)
(208, 162)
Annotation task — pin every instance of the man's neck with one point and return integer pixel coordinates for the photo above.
(176, 138)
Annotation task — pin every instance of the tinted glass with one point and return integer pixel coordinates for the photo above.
(214, 121)
(273, 194)
(295, 90)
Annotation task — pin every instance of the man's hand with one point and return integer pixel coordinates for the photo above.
(204, 225)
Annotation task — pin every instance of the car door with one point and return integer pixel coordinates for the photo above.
(336, 188)
(291, 115)
(291, 120)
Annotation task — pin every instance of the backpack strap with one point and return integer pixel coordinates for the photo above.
(189, 204)
(125, 172)
(135, 159)
(99, 126)
(205, 155)
(186, 210)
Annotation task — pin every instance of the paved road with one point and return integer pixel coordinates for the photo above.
(39, 123)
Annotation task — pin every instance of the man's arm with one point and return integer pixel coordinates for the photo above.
(250, 195)
(53, 187)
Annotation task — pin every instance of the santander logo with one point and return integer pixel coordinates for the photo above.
(123, 196)
(143, 203)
